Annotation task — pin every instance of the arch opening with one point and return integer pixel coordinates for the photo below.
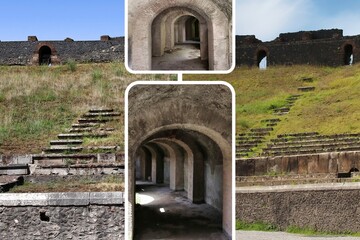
(261, 59)
(348, 54)
(45, 55)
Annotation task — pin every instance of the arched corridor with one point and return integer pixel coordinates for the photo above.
(188, 35)
(176, 144)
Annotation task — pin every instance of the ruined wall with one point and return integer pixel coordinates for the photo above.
(62, 216)
(324, 47)
(335, 162)
(323, 208)
(23, 52)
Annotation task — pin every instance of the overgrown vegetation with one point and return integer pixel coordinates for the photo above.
(332, 108)
(109, 183)
(38, 102)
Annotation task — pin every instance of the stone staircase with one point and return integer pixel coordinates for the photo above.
(73, 153)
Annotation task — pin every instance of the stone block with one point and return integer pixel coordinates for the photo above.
(245, 167)
(324, 163)
(106, 157)
(104, 198)
(302, 164)
(313, 163)
(333, 162)
(68, 199)
(293, 164)
(261, 166)
(344, 162)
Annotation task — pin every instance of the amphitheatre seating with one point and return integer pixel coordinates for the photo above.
(290, 179)
(306, 143)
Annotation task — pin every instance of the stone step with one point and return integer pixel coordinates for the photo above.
(306, 89)
(272, 120)
(242, 154)
(297, 134)
(66, 142)
(243, 149)
(62, 149)
(101, 110)
(280, 113)
(261, 130)
(80, 169)
(250, 138)
(85, 125)
(312, 151)
(14, 169)
(250, 142)
(84, 130)
(94, 120)
(312, 146)
(258, 134)
(80, 135)
(314, 142)
(101, 114)
(314, 137)
(307, 79)
(283, 109)
(246, 145)
(271, 124)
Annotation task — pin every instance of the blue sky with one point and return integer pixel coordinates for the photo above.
(89, 19)
(58, 19)
(267, 18)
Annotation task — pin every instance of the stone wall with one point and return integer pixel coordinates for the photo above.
(334, 207)
(62, 216)
(26, 52)
(324, 47)
(335, 162)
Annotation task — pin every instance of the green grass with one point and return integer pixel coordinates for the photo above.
(266, 227)
(38, 102)
(84, 184)
(332, 108)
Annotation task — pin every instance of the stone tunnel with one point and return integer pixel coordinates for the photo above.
(155, 27)
(180, 135)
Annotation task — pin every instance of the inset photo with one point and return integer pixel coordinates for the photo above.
(179, 167)
(181, 36)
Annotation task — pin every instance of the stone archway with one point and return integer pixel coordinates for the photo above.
(261, 58)
(45, 54)
(192, 148)
(348, 54)
(155, 27)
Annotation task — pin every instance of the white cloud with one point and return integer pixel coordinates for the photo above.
(267, 18)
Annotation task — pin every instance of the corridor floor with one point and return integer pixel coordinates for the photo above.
(183, 57)
(170, 215)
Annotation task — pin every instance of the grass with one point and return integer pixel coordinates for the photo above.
(266, 227)
(85, 184)
(38, 102)
(332, 108)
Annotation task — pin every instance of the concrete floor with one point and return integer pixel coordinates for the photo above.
(185, 57)
(180, 218)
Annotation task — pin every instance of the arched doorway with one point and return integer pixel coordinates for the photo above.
(348, 54)
(261, 59)
(190, 158)
(209, 20)
(44, 55)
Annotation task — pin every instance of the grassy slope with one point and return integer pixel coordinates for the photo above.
(38, 102)
(332, 108)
